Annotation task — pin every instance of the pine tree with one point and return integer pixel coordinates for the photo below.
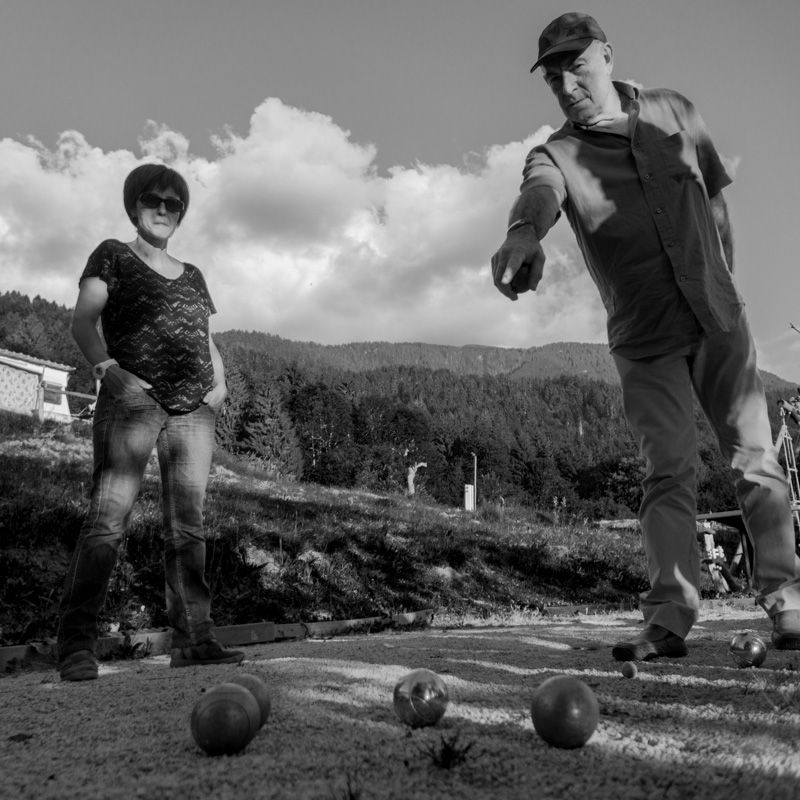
(229, 421)
(267, 433)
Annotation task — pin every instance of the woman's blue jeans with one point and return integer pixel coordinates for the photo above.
(125, 431)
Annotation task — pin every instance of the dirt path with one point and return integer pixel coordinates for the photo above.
(696, 727)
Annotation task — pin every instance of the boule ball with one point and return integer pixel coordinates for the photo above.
(747, 649)
(420, 698)
(225, 719)
(258, 689)
(565, 711)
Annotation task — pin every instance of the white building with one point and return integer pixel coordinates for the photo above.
(33, 386)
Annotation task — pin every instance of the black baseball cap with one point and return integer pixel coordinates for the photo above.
(571, 32)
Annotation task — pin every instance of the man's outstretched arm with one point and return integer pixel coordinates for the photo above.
(517, 266)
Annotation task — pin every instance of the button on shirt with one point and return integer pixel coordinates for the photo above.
(639, 207)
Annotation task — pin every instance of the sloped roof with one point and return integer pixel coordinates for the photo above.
(39, 362)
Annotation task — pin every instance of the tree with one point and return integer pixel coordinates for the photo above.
(230, 419)
(371, 419)
(411, 474)
(323, 420)
(268, 434)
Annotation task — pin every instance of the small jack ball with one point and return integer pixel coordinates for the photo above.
(225, 719)
(420, 698)
(747, 649)
(565, 711)
(629, 670)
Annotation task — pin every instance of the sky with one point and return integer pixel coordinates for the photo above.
(352, 162)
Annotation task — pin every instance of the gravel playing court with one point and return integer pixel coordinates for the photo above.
(696, 727)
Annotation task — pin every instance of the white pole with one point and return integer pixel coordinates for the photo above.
(475, 477)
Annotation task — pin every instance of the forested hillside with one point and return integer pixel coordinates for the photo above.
(543, 426)
(548, 361)
(40, 328)
(563, 358)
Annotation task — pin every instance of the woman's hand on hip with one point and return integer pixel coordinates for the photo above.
(119, 381)
(216, 396)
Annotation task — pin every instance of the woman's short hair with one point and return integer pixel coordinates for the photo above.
(150, 177)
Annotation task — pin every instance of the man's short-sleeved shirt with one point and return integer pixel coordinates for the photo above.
(156, 327)
(639, 207)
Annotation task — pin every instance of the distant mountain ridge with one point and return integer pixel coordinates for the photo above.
(582, 359)
(563, 358)
(39, 328)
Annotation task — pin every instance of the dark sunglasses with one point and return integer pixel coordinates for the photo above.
(152, 200)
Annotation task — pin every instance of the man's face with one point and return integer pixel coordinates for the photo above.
(582, 82)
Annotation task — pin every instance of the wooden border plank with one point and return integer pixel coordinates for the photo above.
(157, 642)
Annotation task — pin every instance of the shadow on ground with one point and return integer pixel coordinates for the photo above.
(693, 727)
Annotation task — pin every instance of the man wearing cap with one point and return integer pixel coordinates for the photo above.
(640, 182)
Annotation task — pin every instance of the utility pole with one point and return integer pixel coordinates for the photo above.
(475, 477)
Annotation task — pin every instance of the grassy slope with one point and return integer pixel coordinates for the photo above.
(289, 552)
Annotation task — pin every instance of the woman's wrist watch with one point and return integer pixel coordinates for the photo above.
(99, 370)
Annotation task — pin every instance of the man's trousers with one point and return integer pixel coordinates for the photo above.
(658, 402)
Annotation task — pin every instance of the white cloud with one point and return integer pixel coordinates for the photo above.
(299, 235)
(55, 206)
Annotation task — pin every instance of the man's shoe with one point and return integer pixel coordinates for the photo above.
(786, 630)
(653, 642)
(210, 652)
(78, 666)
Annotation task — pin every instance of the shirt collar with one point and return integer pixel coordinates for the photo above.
(626, 90)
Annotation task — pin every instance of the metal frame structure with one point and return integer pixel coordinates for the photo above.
(787, 409)
(720, 570)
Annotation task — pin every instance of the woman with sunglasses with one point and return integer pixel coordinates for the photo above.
(161, 383)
